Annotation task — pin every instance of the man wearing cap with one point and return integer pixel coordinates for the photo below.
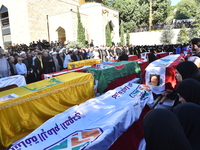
(60, 58)
(4, 66)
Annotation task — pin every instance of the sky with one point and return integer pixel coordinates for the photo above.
(174, 2)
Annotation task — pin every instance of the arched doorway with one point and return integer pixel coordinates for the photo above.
(5, 26)
(61, 34)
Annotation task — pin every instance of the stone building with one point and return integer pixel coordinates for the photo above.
(24, 21)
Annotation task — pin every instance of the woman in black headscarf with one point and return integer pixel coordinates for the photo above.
(189, 118)
(187, 69)
(189, 91)
(163, 131)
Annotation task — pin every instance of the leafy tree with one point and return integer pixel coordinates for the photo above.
(195, 32)
(167, 34)
(183, 35)
(80, 30)
(122, 33)
(74, 44)
(127, 37)
(135, 13)
(161, 10)
(108, 35)
(98, 1)
(186, 9)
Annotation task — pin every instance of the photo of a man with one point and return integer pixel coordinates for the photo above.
(154, 80)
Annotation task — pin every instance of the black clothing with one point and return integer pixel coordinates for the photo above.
(12, 69)
(123, 57)
(151, 57)
(47, 66)
(189, 89)
(38, 67)
(163, 131)
(188, 69)
(189, 118)
(75, 57)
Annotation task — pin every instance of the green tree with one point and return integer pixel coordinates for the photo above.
(183, 35)
(80, 30)
(108, 35)
(195, 32)
(122, 33)
(74, 44)
(186, 9)
(127, 37)
(161, 10)
(135, 13)
(167, 34)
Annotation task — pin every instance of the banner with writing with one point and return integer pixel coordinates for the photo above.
(92, 125)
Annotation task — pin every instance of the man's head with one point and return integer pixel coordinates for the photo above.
(11, 59)
(45, 54)
(40, 55)
(19, 60)
(22, 54)
(195, 44)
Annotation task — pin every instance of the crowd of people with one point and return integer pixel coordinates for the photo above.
(160, 26)
(42, 58)
(177, 128)
(180, 127)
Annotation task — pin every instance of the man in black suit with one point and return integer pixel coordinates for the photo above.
(13, 69)
(75, 56)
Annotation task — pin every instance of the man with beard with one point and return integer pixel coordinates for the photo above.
(195, 44)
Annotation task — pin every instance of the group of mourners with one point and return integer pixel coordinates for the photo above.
(178, 128)
(39, 58)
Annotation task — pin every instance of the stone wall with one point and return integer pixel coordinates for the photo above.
(150, 38)
(28, 20)
(38, 11)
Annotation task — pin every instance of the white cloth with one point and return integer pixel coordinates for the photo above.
(17, 79)
(77, 128)
(66, 61)
(21, 68)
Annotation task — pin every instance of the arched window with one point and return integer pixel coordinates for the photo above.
(5, 26)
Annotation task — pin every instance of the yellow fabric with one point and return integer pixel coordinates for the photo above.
(40, 101)
(87, 62)
(40, 59)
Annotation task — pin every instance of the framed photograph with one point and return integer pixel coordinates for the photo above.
(154, 79)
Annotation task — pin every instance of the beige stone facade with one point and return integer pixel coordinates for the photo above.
(31, 20)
